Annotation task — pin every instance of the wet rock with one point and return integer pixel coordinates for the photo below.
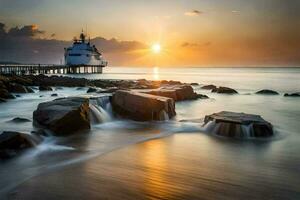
(2, 100)
(4, 94)
(224, 90)
(142, 107)
(17, 95)
(63, 116)
(267, 92)
(194, 84)
(13, 142)
(90, 90)
(176, 92)
(202, 96)
(297, 94)
(208, 87)
(108, 90)
(45, 88)
(18, 88)
(54, 95)
(58, 88)
(240, 125)
(20, 120)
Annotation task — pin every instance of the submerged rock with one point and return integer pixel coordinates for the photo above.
(13, 142)
(45, 88)
(20, 120)
(208, 87)
(224, 90)
(63, 116)
(142, 107)
(297, 94)
(240, 125)
(268, 92)
(54, 95)
(202, 96)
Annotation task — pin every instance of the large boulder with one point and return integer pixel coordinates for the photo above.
(13, 142)
(240, 125)
(224, 90)
(267, 92)
(142, 107)
(176, 92)
(63, 116)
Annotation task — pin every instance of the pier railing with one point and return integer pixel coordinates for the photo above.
(25, 69)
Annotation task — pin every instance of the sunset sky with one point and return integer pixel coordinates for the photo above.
(190, 32)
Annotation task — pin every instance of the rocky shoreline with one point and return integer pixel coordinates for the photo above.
(138, 100)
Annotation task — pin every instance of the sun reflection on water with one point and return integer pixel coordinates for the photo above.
(155, 73)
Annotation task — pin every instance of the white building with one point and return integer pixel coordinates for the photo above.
(83, 53)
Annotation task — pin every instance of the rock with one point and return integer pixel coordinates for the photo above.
(17, 95)
(194, 84)
(5, 94)
(45, 88)
(268, 92)
(2, 100)
(224, 90)
(13, 142)
(90, 90)
(41, 95)
(20, 120)
(58, 88)
(54, 95)
(142, 107)
(108, 90)
(208, 87)
(80, 88)
(240, 125)
(18, 88)
(202, 96)
(63, 116)
(176, 92)
(297, 94)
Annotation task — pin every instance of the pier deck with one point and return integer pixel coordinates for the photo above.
(18, 69)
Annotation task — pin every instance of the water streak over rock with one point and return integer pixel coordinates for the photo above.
(239, 125)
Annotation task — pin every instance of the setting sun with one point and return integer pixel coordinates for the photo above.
(156, 48)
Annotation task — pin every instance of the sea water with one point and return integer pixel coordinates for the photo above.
(55, 152)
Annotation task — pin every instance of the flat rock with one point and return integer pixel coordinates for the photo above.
(267, 92)
(13, 142)
(239, 125)
(224, 90)
(176, 92)
(63, 116)
(297, 94)
(142, 107)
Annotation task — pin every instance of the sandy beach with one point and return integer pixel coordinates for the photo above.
(182, 166)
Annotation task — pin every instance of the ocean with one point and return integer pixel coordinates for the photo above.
(259, 168)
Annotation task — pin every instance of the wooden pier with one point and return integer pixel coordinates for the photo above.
(50, 69)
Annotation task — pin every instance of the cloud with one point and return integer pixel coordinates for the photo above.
(25, 31)
(195, 45)
(193, 13)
